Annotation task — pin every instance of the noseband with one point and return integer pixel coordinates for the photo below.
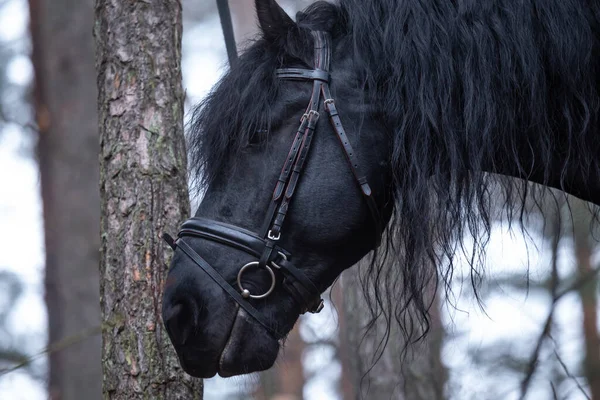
(264, 246)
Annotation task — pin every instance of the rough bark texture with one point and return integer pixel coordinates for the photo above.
(65, 100)
(420, 376)
(143, 192)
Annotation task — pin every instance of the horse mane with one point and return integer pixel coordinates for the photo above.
(460, 81)
(455, 81)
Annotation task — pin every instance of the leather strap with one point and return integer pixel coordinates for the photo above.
(309, 293)
(225, 234)
(289, 161)
(320, 86)
(296, 171)
(302, 74)
(263, 246)
(210, 271)
(284, 176)
(320, 77)
(359, 175)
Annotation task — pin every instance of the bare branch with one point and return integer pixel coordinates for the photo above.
(570, 375)
(554, 394)
(12, 356)
(4, 117)
(554, 282)
(53, 348)
(556, 296)
(577, 283)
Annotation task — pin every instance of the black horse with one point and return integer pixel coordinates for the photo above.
(443, 103)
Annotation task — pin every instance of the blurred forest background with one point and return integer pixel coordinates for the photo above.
(530, 340)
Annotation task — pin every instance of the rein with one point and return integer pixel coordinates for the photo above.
(264, 246)
(228, 34)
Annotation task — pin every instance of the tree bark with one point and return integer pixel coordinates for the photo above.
(143, 192)
(65, 102)
(420, 376)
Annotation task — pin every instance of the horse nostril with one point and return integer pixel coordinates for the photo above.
(180, 322)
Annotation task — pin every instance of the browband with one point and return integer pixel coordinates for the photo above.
(303, 74)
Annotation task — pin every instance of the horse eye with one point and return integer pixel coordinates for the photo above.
(258, 136)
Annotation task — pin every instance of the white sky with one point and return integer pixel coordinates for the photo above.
(511, 317)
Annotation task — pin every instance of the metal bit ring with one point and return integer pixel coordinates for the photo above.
(246, 292)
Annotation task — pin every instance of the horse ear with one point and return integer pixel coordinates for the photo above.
(274, 21)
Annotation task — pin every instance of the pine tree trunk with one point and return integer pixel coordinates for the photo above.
(419, 376)
(65, 101)
(245, 24)
(346, 336)
(143, 192)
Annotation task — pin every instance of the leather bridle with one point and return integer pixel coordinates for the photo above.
(264, 246)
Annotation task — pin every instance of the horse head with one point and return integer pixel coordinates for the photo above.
(296, 170)
(362, 116)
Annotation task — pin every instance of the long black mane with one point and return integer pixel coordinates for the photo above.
(457, 82)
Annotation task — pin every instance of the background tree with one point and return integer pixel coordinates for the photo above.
(588, 294)
(554, 355)
(19, 334)
(65, 102)
(143, 192)
(10, 290)
(398, 371)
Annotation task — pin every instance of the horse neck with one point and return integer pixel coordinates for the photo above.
(552, 167)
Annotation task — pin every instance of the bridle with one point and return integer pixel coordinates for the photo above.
(264, 246)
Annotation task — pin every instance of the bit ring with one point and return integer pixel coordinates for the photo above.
(245, 292)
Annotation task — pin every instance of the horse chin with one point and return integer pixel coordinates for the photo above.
(249, 348)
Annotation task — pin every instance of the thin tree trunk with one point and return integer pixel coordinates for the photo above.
(588, 295)
(347, 356)
(420, 376)
(143, 192)
(425, 375)
(285, 381)
(65, 102)
(244, 20)
(290, 370)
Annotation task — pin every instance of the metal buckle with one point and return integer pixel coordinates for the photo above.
(313, 114)
(319, 307)
(274, 264)
(274, 237)
(246, 292)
